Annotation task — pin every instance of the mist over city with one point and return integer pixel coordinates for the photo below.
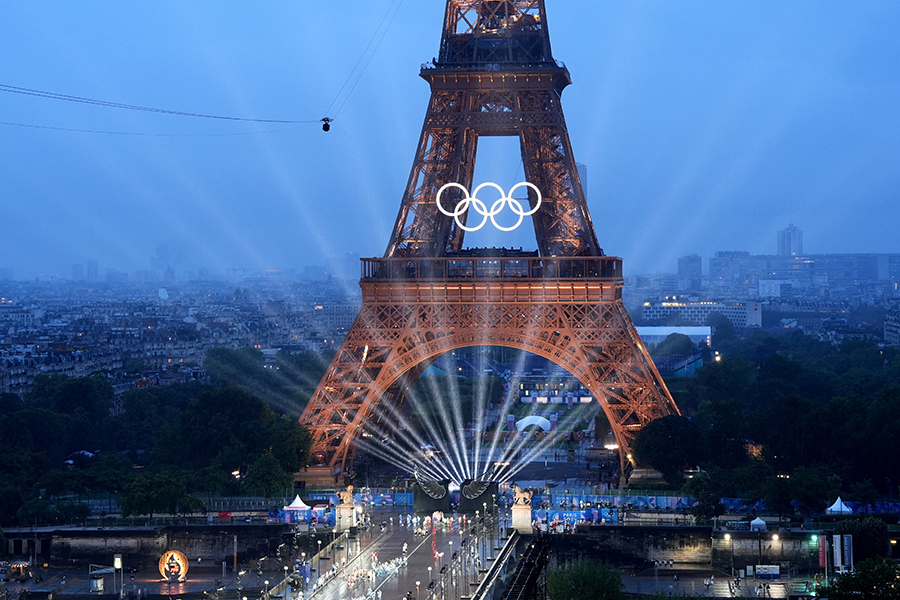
(702, 129)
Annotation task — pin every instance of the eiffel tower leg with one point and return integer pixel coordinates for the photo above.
(446, 153)
(563, 226)
(582, 328)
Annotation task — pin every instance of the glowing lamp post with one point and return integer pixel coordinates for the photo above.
(728, 538)
(451, 565)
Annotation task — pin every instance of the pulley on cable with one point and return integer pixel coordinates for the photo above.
(326, 124)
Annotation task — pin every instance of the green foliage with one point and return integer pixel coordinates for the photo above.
(872, 579)
(863, 491)
(584, 580)
(870, 536)
(10, 403)
(10, 501)
(675, 344)
(149, 494)
(777, 493)
(220, 419)
(669, 445)
(39, 511)
(707, 489)
(809, 488)
(290, 444)
(723, 335)
(805, 403)
(266, 475)
(63, 441)
(287, 386)
(92, 396)
(723, 425)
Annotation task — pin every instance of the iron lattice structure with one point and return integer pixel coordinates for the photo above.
(495, 75)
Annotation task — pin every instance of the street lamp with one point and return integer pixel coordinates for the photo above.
(451, 566)
(485, 547)
(728, 538)
(417, 590)
(430, 580)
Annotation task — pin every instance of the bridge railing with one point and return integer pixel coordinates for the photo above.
(492, 268)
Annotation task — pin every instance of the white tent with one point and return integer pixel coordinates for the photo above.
(297, 504)
(838, 508)
(758, 524)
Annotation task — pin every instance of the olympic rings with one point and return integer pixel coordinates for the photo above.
(481, 208)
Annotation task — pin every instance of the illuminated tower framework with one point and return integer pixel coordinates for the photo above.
(494, 76)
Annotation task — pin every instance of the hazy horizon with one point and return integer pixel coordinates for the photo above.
(704, 127)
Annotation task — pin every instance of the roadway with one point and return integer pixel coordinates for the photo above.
(348, 573)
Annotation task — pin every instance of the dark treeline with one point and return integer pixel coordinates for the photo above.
(785, 418)
(155, 449)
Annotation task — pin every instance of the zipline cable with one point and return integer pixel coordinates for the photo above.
(82, 100)
(120, 105)
(135, 133)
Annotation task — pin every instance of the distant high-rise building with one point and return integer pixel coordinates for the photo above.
(77, 273)
(690, 272)
(741, 314)
(790, 241)
(892, 328)
(92, 270)
(163, 257)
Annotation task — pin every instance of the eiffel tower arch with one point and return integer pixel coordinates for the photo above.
(494, 76)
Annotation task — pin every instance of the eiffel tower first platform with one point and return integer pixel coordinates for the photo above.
(494, 76)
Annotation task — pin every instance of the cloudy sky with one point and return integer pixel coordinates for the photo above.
(705, 126)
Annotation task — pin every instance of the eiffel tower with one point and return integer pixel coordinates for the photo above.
(494, 76)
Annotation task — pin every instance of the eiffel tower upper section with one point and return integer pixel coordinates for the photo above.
(495, 75)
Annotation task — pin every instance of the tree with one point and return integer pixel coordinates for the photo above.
(809, 488)
(707, 490)
(148, 494)
(776, 491)
(10, 403)
(267, 475)
(108, 473)
(212, 480)
(870, 536)
(871, 579)
(863, 491)
(215, 421)
(669, 445)
(724, 334)
(584, 580)
(291, 443)
(675, 344)
(10, 502)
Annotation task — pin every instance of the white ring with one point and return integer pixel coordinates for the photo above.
(481, 208)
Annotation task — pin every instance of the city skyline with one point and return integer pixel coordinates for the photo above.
(704, 129)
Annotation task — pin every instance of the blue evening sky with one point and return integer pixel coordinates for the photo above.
(705, 126)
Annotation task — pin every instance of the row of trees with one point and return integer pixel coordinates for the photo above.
(786, 418)
(872, 579)
(155, 449)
